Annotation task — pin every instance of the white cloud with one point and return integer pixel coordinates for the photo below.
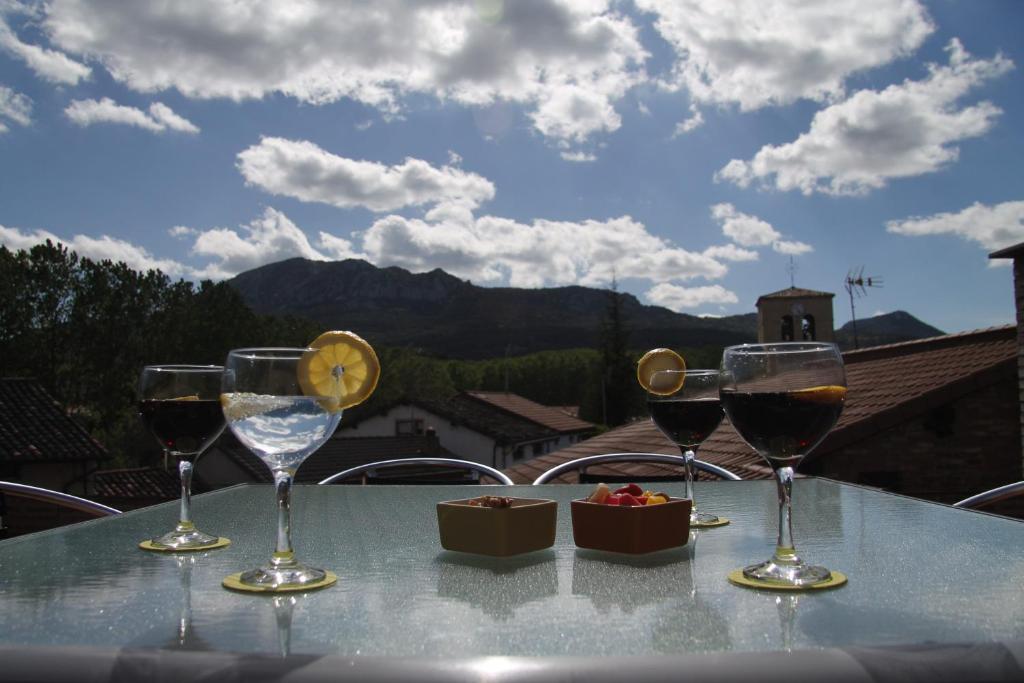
(491, 249)
(269, 238)
(304, 171)
(694, 121)
(730, 252)
(750, 231)
(160, 117)
(97, 249)
(15, 107)
(165, 116)
(49, 65)
(579, 157)
(743, 229)
(991, 227)
(181, 231)
(858, 145)
(767, 52)
(566, 62)
(791, 248)
(679, 298)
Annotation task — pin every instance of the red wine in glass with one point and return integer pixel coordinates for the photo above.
(782, 399)
(687, 416)
(782, 425)
(180, 406)
(184, 426)
(687, 422)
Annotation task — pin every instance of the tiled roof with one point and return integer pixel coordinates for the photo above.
(641, 437)
(794, 292)
(34, 428)
(549, 416)
(339, 454)
(143, 482)
(887, 385)
(481, 416)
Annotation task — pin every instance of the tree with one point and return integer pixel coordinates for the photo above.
(619, 392)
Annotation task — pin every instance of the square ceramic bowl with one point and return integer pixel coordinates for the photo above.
(528, 525)
(631, 529)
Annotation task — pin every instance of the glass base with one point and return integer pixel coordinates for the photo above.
(798, 574)
(294, 575)
(184, 539)
(699, 519)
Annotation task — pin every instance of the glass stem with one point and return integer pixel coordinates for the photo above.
(688, 456)
(185, 514)
(283, 555)
(785, 553)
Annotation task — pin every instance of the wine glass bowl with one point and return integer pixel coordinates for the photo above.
(783, 399)
(687, 416)
(267, 410)
(179, 405)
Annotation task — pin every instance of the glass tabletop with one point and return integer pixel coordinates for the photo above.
(918, 573)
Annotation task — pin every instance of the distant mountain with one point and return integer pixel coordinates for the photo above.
(889, 328)
(443, 315)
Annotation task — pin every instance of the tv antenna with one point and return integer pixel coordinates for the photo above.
(791, 269)
(856, 286)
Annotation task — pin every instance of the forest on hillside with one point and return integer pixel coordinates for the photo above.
(85, 328)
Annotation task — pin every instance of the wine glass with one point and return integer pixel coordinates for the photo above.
(179, 405)
(783, 399)
(687, 416)
(267, 410)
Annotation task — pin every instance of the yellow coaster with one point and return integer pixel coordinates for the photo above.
(221, 542)
(234, 583)
(722, 521)
(736, 577)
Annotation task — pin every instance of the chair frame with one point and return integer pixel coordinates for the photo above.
(991, 496)
(501, 477)
(57, 498)
(663, 458)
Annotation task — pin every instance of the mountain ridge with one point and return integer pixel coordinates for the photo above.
(443, 315)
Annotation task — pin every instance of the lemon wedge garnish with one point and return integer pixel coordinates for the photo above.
(655, 361)
(831, 393)
(341, 367)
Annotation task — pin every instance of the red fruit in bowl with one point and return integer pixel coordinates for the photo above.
(629, 499)
(631, 489)
(614, 499)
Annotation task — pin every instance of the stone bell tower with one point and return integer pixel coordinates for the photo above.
(795, 314)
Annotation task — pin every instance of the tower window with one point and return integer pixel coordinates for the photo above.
(807, 328)
(786, 333)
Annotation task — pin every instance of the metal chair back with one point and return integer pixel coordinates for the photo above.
(660, 458)
(450, 463)
(992, 496)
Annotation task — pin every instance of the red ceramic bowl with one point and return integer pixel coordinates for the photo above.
(631, 529)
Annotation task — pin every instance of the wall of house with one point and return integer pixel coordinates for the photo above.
(464, 442)
(964, 447)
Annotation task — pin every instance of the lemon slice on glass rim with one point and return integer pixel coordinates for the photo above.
(341, 367)
(655, 361)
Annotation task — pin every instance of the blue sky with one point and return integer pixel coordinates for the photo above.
(687, 149)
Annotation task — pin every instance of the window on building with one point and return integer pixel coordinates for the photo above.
(411, 427)
(807, 328)
(786, 331)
